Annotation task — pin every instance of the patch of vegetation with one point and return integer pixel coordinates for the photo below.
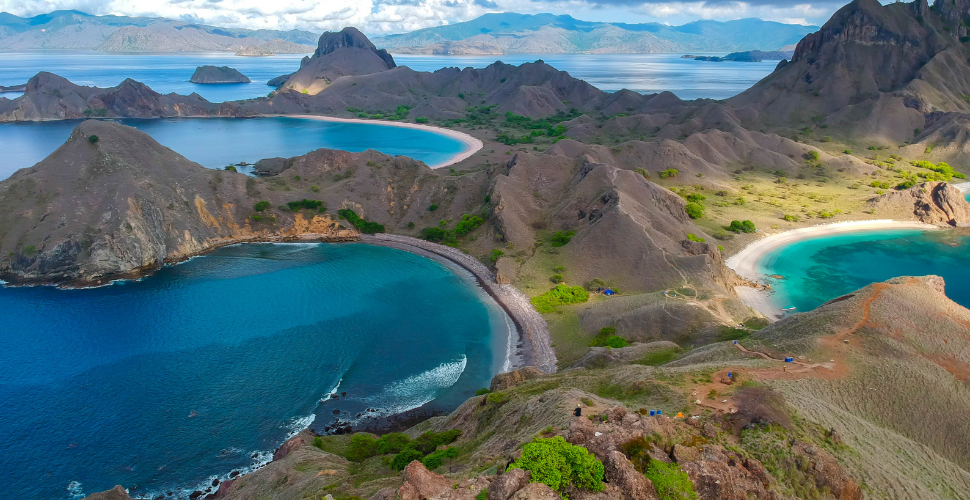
(467, 224)
(298, 205)
(942, 171)
(558, 464)
(670, 481)
(230, 168)
(494, 256)
(726, 333)
(92, 139)
(261, 206)
(435, 459)
(694, 210)
(670, 172)
(359, 223)
(643, 172)
(420, 119)
(483, 391)
(362, 446)
(738, 226)
(406, 456)
(607, 337)
(433, 207)
(560, 295)
(659, 357)
(562, 237)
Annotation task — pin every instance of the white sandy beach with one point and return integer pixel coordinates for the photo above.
(745, 262)
(472, 145)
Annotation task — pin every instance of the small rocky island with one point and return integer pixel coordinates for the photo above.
(254, 51)
(218, 74)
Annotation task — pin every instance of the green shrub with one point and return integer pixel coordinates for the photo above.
(467, 224)
(433, 234)
(497, 398)
(92, 139)
(694, 237)
(230, 168)
(791, 218)
(359, 223)
(643, 172)
(558, 296)
(556, 278)
(496, 253)
(483, 391)
(394, 442)
(558, 464)
(261, 206)
(433, 207)
(317, 205)
(670, 481)
(906, 184)
(406, 456)
(429, 441)
(482, 495)
(741, 226)
(694, 210)
(434, 460)
(318, 442)
(670, 172)
(562, 237)
(607, 338)
(421, 119)
(812, 156)
(695, 197)
(362, 447)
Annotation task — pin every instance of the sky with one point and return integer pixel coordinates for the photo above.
(375, 17)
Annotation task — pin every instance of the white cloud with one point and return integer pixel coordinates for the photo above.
(395, 16)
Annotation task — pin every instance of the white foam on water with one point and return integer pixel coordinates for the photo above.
(416, 390)
(75, 490)
(329, 395)
(296, 425)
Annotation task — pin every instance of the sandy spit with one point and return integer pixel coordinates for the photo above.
(745, 262)
(472, 145)
(533, 329)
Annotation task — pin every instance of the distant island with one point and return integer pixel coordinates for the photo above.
(254, 51)
(749, 56)
(218, 74)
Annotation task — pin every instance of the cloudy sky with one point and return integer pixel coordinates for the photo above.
(395, 16)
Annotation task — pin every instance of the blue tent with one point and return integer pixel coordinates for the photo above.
(608, 292)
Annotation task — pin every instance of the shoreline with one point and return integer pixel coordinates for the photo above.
(532, 328)
(745, 262)
(472, 144)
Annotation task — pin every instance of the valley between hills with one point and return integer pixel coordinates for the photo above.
(646, 195)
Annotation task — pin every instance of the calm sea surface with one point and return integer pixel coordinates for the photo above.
(207, 366)
(166, 73)
(820, 269)
(217, 142)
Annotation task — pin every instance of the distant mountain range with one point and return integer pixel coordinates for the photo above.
(510, 33)
(505, 33)
(71, 29)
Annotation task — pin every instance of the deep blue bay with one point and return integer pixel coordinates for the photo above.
(217, 142)
(206, 367)
(819, 269)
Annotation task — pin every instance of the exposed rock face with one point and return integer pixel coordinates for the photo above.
(619, 472)
(347, 52)
(507, 484)
(116, 493)
(936, 203)
(218, 74)
(507, 380)
(48, 96)
(420, 483)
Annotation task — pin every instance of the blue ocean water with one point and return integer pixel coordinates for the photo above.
(217, 142)
(207, 366)
(166, 73)
(817, 270)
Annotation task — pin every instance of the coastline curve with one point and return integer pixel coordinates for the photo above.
(745, 262)
(472, 144)
(532, 327)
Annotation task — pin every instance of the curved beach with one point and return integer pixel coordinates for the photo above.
(532, 327)
(745, 262)
(472, 145)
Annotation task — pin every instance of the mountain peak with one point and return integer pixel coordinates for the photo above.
(331, 41)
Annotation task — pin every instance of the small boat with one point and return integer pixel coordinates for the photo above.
(788, 309)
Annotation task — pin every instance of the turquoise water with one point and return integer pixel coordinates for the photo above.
(217, 142)
(207, 366)
(820, 269)
(166, 73)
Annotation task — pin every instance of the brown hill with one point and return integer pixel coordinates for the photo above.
(347, 52)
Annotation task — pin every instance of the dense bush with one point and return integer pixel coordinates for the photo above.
(359, 223)
(694, 237)
(230, 168)
(694, 210)
(261, 206)
(695, 197)
(421, 119)
(562, 237)
(92, 139)
(558, 464)
(494, 256)
(670, 481)
(406, 456)
(607, 338)
(467, 224)
(362, 447)
(434, 460)
(812, 156)
(429, 441)
(558, 296)
(670, 172)
(296, 206)
(392, 443)
(741, 226)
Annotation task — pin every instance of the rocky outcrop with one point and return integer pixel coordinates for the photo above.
(116, 493)
(504, 486)
(421, 484)
(937, 203)
(48, 96)
(504, 381)
(344, 53)
(218, 74)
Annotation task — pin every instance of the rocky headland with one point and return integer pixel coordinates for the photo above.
(218, 74)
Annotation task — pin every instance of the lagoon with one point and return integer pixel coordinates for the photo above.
(217, 142)
(207, 366)
(817, 270)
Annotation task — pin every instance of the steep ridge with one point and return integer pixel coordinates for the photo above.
(347, 52)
